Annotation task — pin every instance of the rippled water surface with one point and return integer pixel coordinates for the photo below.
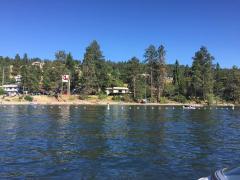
(129, 142)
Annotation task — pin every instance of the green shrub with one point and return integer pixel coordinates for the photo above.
(2, 92)
(210, 99)
(152, 100)
(117, 98)
(83, 97)
(127, 98)
(28, 98)
(169, 90)
(102, 96)
(163, 100)
(180, 98)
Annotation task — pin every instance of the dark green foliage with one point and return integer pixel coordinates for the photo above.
(5, 64)
(127, 98)
(52, 75)
(180, 98)
(152, 79)
(202, 75)
(25, 58)
(117, 98)
(176, 76)
(31, 76)
(2, 92)
(160, 69)
(102, 96)
(155, 59)
(83, 97)
(210, 99)
(232, 90)
(60, 56)
(70, 64)
(16, 65)
(134, 74)
(28, 98)
(169, 90)
(72, 70)
(91, 59)
(151, 58)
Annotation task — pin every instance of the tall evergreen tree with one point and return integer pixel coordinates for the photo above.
(232, 91)
(61, 56)
(134, 70)
(176, 77)
(16, 65)
(52, 75)
(92, 55)
(31, 78)
(218, 82)
(186, 82)
(160, 71)
(202, 79)
(151, 58)
(17, 58)
(70, 62)
(70, 65)
(25, 58)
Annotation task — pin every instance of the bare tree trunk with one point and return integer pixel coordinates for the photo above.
(134, 87)
(159, 91)
(161, 82)
(151, 83)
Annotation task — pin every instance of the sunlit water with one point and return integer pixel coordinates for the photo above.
(129, 142)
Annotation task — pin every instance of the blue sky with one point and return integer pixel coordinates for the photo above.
(123, 28)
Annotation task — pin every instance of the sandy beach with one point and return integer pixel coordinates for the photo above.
(74, 100)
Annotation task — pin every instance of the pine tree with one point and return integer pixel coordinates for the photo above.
(16, 65)
(160, 71)
(92, 57)
(151, 58)
(25, 58)
(134, 71)
(186, 82)
(60, 56)
(218, 82)
(202, 77)
(232, 91)
(176, 77)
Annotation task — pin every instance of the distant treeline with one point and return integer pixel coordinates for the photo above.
(152, 78)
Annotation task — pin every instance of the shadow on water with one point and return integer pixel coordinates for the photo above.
(123, 142)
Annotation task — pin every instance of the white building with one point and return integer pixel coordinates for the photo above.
(18, 78)
(117, 90)
(11, 89)
(37, 63)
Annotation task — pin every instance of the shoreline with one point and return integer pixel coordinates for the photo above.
(103, 103)
(93, 100)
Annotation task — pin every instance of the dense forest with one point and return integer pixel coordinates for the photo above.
(151, 78)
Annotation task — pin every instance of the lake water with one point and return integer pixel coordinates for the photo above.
(129, 142)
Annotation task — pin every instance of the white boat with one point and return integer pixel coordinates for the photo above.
(189, 107)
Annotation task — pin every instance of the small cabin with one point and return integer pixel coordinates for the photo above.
(117, 90)
(11, 89)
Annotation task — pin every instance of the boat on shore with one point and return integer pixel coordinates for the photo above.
(189, 107)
